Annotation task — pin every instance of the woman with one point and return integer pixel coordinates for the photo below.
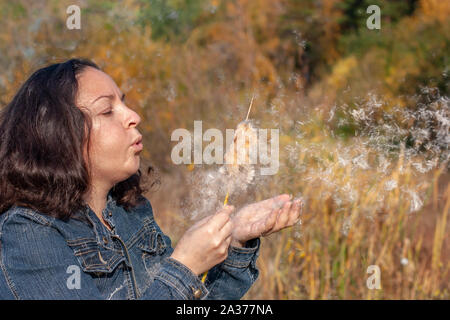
(74, 223)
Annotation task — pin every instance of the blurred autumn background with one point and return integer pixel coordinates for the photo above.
(363, 118)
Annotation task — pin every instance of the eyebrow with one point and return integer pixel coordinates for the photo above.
(110, 96)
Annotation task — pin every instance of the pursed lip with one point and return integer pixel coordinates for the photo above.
(137, 140)
(137, 144)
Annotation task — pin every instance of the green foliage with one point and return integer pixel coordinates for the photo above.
(302, 25)
(12, 10)
(354, 14)
(171, 19)
(356, 37)
(430, 46)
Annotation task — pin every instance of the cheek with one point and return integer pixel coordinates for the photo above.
(108, 145)
(111, 153)
(111, 146)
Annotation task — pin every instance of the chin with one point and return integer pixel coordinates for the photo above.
(135, 170)
(131, 168)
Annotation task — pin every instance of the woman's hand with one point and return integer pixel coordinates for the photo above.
(206, 243)
(264, 218)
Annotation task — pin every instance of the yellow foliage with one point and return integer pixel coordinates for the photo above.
(264, 68)
(407, 65)
(341, 71)
(435, 9)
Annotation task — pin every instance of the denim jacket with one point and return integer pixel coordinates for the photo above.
(42, 257)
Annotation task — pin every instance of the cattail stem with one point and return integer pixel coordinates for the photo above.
(204, 276)
(250, 108)
(228, 193)
(226, 199)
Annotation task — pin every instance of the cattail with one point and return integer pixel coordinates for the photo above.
(238, 166)
(238, 169)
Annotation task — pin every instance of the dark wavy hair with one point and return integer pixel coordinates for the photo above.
(43, 134)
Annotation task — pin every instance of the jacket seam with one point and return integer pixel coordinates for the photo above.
(214, 283)
(237, 264)
(179, 266)
(8, 279)
(171, 284)
(147, 227)
(250, 275)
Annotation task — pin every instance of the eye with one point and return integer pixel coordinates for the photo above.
(107, 113)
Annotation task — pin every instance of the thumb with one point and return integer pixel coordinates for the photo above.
(226, 210)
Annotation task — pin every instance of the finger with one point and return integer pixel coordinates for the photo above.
(269, 225)
(278, 201)
(226, 244)
(228, 240)
(207, 219)
(226, 230)
(222, 217)
(271, 203)
(257, 229)
(283, 216)
(280, 198)
(271, 221)
(294, 213)
(203, 221)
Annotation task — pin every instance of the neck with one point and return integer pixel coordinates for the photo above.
(96, 199)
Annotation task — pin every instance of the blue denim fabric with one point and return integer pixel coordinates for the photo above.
(39, 257)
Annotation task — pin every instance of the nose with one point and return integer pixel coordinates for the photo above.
(133, 119)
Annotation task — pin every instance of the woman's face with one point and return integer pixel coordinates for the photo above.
(113, 152)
